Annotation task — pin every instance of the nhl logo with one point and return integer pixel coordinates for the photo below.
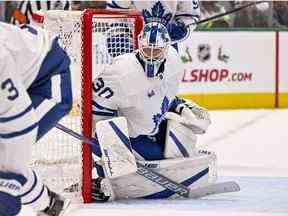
(204, 53)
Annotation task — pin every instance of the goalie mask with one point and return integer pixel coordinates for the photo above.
(153, 45)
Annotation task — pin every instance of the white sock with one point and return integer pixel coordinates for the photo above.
(34, 193)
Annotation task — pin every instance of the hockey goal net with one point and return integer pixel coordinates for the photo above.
(91, 38)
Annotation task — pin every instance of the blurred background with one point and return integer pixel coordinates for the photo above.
(235, 61)
(259, 16)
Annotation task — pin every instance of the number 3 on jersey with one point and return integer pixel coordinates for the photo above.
(99, 86)
(9, 86)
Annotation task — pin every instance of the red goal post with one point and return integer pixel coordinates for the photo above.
(87, 66)
(85, 36)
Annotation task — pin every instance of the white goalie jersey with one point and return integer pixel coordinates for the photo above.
(126, 91)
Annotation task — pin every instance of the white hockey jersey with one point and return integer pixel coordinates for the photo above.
(34, 76)
(21, 54)
(183, 10)
(26, 47)
(123, 89)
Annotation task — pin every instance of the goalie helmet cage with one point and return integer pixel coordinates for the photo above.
(120, 28)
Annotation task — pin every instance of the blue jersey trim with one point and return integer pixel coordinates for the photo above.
(6, 119)
(104, 113)
(13, 176)
(178, 144)
(167, 193)
(19, 133)
(94, 103)
(56, 62)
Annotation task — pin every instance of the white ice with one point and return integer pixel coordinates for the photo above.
(252, 149)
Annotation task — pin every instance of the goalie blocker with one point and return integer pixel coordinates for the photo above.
(193, 169)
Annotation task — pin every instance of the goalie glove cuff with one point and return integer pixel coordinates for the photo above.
(196, 117)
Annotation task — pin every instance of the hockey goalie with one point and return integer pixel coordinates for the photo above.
(140, 123)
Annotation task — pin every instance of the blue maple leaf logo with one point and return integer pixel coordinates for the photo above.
(158, 10)
(157, 118)
(157, 14)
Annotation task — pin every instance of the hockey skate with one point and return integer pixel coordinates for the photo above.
(102, 190)
(57, 207)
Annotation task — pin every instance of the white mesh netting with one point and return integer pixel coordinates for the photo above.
(58, 156)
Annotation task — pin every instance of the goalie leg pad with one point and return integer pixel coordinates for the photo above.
(191, 172)
(180, 140)
(115, 146)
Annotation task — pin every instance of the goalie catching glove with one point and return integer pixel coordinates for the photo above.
(191, 115)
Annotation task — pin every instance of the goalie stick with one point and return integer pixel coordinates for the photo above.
(218, 16)
(231, 11)
(161, 180)
(217, 188)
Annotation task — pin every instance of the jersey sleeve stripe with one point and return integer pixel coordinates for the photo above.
(98, 106)
(7, 119)
(19, 133)
(104, 113)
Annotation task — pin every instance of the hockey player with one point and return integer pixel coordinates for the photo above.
(35, 92)
(184, 14)
(142, 87)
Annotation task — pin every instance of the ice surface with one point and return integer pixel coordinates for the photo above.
(252, 149)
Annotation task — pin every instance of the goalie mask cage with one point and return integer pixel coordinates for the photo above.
(91, 38)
